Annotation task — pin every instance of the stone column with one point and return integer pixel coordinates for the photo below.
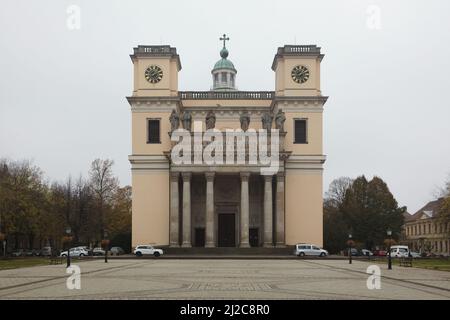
(268, 221)
(186, 210)
(244, 242)
(174, 210)
(209, 210)
(280, 210)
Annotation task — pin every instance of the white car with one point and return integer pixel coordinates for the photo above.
(306, 249)
(399, 251)
(366, 252)
(75, 252)
(147, 249)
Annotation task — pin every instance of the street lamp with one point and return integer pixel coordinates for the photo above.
(3, 240)
(389, 233)
(68, 231)
(350, 248)
(105, 245)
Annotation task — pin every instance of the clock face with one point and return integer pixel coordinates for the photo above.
(153, 74)
(300, 74)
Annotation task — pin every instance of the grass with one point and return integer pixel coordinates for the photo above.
(423, 263)
(15, 263)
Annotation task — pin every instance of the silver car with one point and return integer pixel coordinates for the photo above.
(307, 249)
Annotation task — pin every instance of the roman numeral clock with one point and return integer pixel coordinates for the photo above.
(153, 74)
(300, 74)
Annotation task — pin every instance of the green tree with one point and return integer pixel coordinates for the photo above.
(369, 209)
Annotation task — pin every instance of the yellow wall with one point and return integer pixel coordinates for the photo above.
(168, 86)
(313, 135)
(285, 86)
(150, 223)
(139, 132)
(304, 212)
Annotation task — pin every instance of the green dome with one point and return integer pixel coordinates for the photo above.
(224, 64)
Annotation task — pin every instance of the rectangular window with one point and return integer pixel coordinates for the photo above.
(153, 135)
(300, 130)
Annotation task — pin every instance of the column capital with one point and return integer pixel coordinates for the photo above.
(186, 176)
(268, 178)
(210, 176)
(174, 176)
(245, 176)
(280, 176)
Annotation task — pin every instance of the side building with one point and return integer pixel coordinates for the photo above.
(423, 232)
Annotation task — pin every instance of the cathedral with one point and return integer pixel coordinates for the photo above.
(238, 201)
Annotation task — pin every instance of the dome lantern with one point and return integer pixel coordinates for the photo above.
(224, 73)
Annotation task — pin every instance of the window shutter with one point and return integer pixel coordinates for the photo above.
(153, 131)
(300, 131)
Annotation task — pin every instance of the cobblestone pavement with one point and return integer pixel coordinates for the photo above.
(223, 279)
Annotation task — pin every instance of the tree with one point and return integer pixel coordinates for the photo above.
(103, 185)
(364, 208)
(335, 230)
(444, 210)
(369, 209)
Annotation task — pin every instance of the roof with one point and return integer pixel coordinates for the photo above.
(224, 63)
(431, 210)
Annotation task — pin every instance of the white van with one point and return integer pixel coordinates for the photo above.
(399, 251)
(307, 249)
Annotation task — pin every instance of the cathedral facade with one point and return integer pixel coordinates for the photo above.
(226, 191)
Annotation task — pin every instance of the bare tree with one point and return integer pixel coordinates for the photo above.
(336, 192)
(103, 184)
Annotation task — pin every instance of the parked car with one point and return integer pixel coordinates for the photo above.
(98, 252)
(29, 253)
(307, 249)
(366, 252)
(116, 251)
(399, 251)
(147, 250)
(354, 251)
(18, 253)
(414, 254)
(75, 252)
(380, 253)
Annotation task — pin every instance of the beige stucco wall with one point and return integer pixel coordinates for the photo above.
(139, 133)
(217, 104)
(304, 212)
(313, 135)
(285, 86)
(168, 86)
(150, 220)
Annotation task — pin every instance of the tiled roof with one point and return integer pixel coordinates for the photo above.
(431, 209)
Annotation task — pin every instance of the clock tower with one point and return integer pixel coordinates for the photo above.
(297, 70)
(155, 71)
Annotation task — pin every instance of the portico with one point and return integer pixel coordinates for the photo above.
(229, 209)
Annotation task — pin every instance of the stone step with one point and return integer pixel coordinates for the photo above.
(229, 251)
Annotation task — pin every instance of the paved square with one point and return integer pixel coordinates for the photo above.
(223, 279)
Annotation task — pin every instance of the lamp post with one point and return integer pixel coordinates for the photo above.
(350, 248)
(105, 245)
(389, 233)
(3, 240)
(68, 231)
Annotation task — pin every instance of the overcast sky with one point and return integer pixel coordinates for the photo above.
(62, 90)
